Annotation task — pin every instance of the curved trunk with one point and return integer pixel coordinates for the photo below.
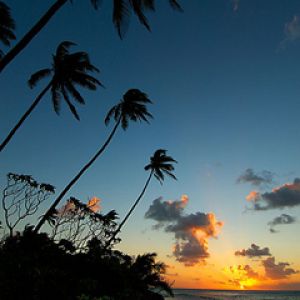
(24, 117)
(130, 211)
(31, 34)
(76, 178)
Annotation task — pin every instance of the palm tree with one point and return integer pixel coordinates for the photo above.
(132, 107)
(121, 12)
(68, 70)
(160, 164)
(147, 277)
(7, 26)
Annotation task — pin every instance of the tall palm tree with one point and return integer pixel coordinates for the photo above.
(7, 26)
(132, 107)
(68, 70)
(160, 165)
(121, 12)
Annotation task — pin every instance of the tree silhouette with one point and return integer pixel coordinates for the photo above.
(132, 107)
(121, 12)
(148, 276)
(34, 267)
(7, 26)
(68, 70)
(160, 164)
(21, 198)
(78, 223)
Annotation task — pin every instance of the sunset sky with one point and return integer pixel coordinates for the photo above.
(224, 80)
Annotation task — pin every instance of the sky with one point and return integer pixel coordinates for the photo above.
(224, 80)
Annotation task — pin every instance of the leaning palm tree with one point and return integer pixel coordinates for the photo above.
(121, 12)
(132, 107)
(68, 70)
(7, 26)
(160, 164)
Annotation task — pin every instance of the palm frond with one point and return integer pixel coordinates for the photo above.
(124, 122)
(175, 5)
(170, 174)
(76, 95)
(37, 76)
(71, 106)
(7, 24)
(55, 98)
(161, 164)
(121, 13)
(88, 78)
(138, 7)
(112, 112)
(63, 48)
(137, 96)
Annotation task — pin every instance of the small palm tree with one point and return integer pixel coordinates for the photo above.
(132, 107)
(7, 26)
(121, 13)
(68, 70)
(147, 277)
(160, 165)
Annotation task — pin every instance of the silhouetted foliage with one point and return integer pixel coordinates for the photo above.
(34, 267)
(68, 71)
(77, 223)
(132, 107)
(7, 26)
(121, 13)
(160, 164)
(21, 198)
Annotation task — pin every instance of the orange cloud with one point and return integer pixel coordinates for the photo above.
(191, 231)
(253, 196)
(242, 276)
(94, 204)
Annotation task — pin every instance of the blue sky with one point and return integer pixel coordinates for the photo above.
(224, 80)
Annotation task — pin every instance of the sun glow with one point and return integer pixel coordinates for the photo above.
(247, 283)
(240, 277)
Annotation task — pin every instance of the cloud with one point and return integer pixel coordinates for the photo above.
(291, 32)
(166, 211)
(257, 179)
(245, 270)
(285, 196)
(253, 251)
(69, 208)
(277, 271)
(283, 219)
(191, 231)
(242, 276)
(94, 204)
(253, 196)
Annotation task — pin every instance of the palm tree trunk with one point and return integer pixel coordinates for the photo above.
(130, 211)
(76, 178)
(24, 117)
(31, 34)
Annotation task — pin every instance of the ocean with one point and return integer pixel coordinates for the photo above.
(182, 294)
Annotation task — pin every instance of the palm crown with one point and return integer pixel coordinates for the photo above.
(161, 164)
(132, 107)
(7, 25)
(69, 70)
(122, 9)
